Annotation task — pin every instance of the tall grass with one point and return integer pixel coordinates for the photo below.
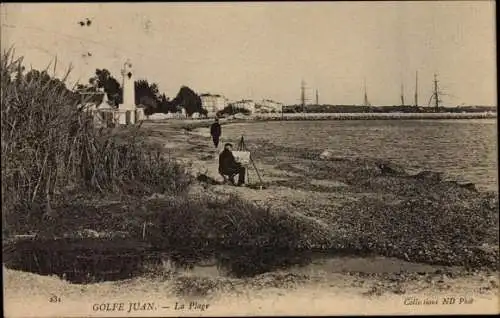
(50, 146)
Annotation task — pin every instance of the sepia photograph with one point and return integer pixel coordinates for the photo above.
(170, 159)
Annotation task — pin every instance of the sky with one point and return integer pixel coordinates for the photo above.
(263, 50)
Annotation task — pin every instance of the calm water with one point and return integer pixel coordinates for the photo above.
(465, 150)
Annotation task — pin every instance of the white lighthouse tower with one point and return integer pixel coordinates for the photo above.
(127, 109)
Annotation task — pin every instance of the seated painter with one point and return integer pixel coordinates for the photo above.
(229, 167)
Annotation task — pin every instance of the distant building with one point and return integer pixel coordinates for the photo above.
(268, 106)
(212, 103)
(93, 99)
(245, 104)
(96, 103)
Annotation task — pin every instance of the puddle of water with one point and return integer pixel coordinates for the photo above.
(373, 264)
(318, 265)
(78, 261)
(87, 261)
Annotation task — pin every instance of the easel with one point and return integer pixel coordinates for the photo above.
(242, 147)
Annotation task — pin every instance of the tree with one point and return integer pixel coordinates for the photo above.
(150, 104)
(189, 100)
(49, 83)
(111, 86)
(147, 94)
(166, 105)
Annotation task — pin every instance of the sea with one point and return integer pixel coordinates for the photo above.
(465, 150)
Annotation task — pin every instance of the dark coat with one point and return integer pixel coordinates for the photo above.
(215, 130)
(228, 164)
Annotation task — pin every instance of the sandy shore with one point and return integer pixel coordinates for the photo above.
(313, 290)
(27, 295)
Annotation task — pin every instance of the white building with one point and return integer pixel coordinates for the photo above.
(268, 106)
(103, 113)
(212, 103)
(245, 104)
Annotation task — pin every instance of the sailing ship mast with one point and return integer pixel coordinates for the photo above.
(303, 96)
(402, 95)
(366, 102)
(435, 95)
(416, 89)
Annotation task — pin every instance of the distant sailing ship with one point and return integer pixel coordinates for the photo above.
(365, 101)
(434, 98)
(402, 95)
(435, 95)
(416, 89)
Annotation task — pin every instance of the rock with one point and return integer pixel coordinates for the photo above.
(429, 175)
(24, 237)
(469, 186)
(156, 196)
(390, 168)
(325, 155)
(85, 233)
(488, 248)
(90, 233)
(206, 179)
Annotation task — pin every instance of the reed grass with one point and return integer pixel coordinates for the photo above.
(50, 147)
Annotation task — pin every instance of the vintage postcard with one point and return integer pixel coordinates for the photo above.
(249, 158)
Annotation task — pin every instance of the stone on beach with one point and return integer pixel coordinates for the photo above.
(327, 154)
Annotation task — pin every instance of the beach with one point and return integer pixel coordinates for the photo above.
(341, 203)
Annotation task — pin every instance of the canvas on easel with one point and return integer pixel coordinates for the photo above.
(245, 158)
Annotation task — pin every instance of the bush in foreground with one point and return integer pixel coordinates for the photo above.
(242, 236)
(233, 222)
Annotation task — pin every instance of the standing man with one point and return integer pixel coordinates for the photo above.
(215, 131)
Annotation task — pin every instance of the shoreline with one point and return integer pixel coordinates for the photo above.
(201, 129)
